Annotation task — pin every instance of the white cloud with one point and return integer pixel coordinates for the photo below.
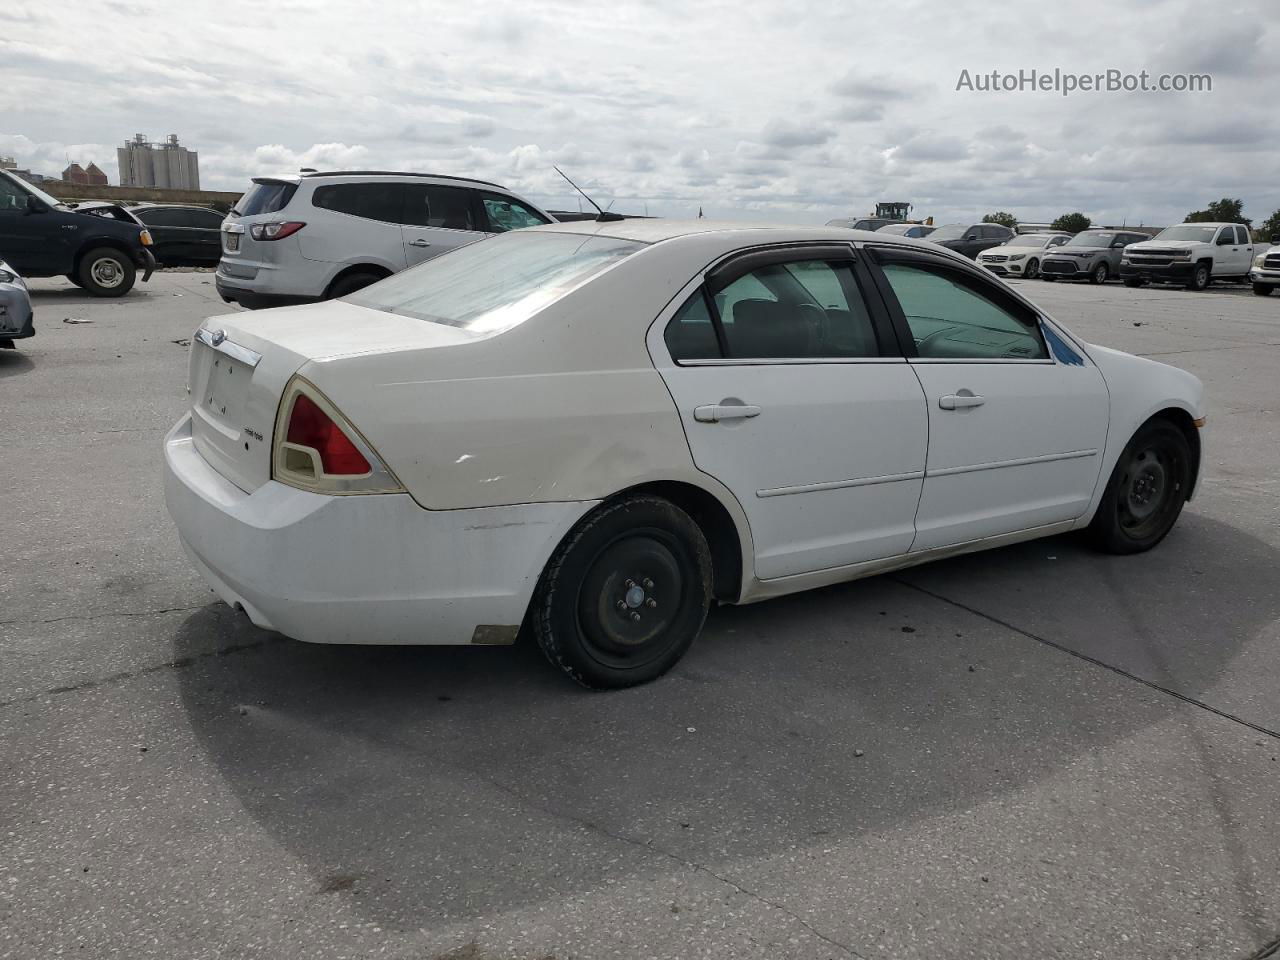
(774, 109)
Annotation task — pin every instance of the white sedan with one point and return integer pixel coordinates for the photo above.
(598, 429)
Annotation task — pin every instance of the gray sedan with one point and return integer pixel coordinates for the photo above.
(1092, 255)
(16, 319)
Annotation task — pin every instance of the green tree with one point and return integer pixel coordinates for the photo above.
(1002, 218)
(1225, 210)
(1269, 228)
(1071, 223)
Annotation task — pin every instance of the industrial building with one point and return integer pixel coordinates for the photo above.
(167, 166)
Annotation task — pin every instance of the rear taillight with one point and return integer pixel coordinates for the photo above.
(317, 449)
(276, 230)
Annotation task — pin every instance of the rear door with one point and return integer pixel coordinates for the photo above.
(436, 219)
(1017, 417)
(203, 235)
(793, 395)
(166, 227)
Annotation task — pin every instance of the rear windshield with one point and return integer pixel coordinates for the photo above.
(493, 285)
(266, 197)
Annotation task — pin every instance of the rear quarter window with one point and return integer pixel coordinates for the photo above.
(266, 197)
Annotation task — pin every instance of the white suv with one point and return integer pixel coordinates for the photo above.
(314, 236)
(1189, 253)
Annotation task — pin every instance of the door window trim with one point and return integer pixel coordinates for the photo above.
(880, 254)
(733, 266)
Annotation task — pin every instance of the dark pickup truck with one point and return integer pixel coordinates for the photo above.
(42, 237)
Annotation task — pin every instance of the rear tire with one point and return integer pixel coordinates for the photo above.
(1101, 274)
(1147, 489)
(624, 595)
(352, 282)
(106, 272)
(1262, 289)
(1199, 277)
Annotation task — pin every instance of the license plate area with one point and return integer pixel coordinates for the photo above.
(233, 242)
(224, 388)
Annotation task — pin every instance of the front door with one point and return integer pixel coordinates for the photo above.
(35, 242)
(1017, 422)
(437, 219)
(793, 396)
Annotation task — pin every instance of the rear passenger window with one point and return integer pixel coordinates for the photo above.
(372, 201)
(431, 205)
(507, 213)
(691, 334)
(1242, 234)
(954, 316)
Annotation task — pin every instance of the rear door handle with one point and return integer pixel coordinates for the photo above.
(954, 401)
(419, 243)
(715, 412)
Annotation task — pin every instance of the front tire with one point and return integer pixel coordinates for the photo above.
(1033, 269)
(1199, 277)
(106, 272)
(1262, 289)
(624, 595)
(1101, 273)
(1147, 489)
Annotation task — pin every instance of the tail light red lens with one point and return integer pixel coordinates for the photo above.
(275, 231)
(309, 426)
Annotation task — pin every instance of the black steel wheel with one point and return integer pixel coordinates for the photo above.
(624, 596)
(1147, 489)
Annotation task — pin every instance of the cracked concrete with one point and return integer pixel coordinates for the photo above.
(1064, 755)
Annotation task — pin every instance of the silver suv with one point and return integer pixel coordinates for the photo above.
(1092, 255)
(313, 236)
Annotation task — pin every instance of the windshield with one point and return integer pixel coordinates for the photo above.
(1029, 240)
(1091, 238)
(950, 231)
(265, 197)
(901, 229)
(493, 285)
(1188, 231)
(32, 188)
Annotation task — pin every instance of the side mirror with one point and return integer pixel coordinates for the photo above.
(972, 236)
(34, 205)
(1117, 244)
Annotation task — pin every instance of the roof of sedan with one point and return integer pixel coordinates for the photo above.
(657, 229)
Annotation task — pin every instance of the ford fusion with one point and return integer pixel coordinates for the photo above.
(596, 430)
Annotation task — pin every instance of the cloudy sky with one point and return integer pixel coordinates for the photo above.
(795, 111)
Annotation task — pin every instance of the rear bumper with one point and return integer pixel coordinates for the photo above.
(252, 299)
(376, 569)
(1164, 273)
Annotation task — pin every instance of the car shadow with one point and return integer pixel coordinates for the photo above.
(15, 362)
(435, 784)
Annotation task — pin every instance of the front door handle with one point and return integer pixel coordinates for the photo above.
(960, 401)
(715, 412)
(419, 243)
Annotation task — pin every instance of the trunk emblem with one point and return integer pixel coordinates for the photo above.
(217, 337)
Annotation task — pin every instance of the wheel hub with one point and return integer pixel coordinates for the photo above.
(630, 596)
(1146, 487)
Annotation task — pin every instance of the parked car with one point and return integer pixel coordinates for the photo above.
(1265, 273)
(970, 240)
(1021, 255)
(597, 429)
(43, 237)
(184, 235)
(316, 236)
(1190, 253)
(1092, 255)
(861, 223)
(17, 320)
(917, 231)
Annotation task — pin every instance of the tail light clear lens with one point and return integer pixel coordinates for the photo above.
(276, 230)
(316, 448)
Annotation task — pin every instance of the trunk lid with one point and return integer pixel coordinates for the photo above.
(241, 363)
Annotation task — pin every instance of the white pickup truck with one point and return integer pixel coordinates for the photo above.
(1190, 253)
(1266, 269)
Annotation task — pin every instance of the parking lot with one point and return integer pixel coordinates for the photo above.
(1037, 751)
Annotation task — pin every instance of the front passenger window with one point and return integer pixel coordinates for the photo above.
(953, 316)
(12, 198)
